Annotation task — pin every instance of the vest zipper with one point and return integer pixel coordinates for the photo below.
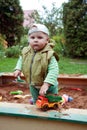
(31, 65)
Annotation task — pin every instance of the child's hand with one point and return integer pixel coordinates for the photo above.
(44, 89)
(17, 73)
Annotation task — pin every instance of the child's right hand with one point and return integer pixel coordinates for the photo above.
(44, 89)
(17, 73)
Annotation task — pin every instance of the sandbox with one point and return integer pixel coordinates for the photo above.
(18, 115)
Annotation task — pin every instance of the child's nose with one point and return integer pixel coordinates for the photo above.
(35, 39)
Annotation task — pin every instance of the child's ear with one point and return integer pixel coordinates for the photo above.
(48, 40)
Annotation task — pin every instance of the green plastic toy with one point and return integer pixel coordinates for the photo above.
(53, 98)
(16, 92)
(20, 80)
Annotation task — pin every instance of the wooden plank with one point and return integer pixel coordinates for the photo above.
(24, 117)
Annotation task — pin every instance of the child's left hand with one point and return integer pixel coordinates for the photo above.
(44, 89)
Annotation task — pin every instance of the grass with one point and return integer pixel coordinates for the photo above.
(66, 65)
(72, 66)
(7, 64)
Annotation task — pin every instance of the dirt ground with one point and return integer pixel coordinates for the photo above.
(79, 95)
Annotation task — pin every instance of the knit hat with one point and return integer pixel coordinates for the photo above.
(38, 28)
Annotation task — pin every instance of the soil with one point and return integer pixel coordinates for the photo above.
(79, 95)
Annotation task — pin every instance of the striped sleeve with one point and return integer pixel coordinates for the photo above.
(53, 71)
(19, 64)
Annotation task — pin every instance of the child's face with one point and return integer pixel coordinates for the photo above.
(38, 40)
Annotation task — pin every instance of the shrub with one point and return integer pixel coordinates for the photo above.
(13, 51)
(3, 46)
(24, 41)
(59, 44)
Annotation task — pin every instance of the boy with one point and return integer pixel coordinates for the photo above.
(39, 63)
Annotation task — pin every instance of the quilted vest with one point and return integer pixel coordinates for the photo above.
(35, 64)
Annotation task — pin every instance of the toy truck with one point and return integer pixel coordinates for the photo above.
(52, 101)
(48, 101)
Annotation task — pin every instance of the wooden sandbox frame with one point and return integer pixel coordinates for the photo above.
(15, 116)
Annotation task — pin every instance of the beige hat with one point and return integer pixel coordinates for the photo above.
(38, 28)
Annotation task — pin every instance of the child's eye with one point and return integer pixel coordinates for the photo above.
(32, 37)
(40, 37)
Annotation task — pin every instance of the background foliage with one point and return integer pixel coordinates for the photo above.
(67, 26)
(75, 27)
(11, 20)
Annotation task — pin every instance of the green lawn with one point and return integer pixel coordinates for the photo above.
(7, 64)
(66, 65)
(72, 66)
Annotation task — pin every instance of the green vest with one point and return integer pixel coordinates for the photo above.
(35, 64)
